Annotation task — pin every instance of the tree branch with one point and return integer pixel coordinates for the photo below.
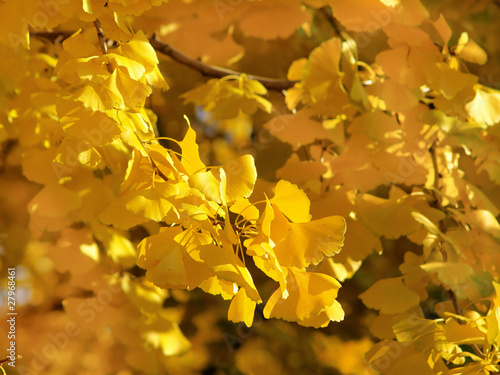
(215, 71)
(180, 57)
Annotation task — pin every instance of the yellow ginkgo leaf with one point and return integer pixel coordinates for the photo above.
(470, 51)
(98, 97)
(390, 296)
(171, 341)
(463, 333)
(290, 128)
(261, 21)
(168, 262)
(190, 152)
(309, 294)
(393, 217)
(333, 313)
(485, 107)
(133, 68)
(307, 243)
(121, 250)
(54, 200)
(143, 293)
(240, 176)
(132, 93)
(242, 308)
(208, 183)
(323, 75)
(245, 209)
(228, 266)
(154, 202)
(450, 273)
(139, 49)
(292, 201)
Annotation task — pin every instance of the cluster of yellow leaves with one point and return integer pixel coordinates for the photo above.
(202, 245)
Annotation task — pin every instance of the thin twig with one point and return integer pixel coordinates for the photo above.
(102, 42)
(477, 350)
(101, 36)
(327, 12)
(215, 71)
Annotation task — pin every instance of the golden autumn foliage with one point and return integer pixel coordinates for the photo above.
(249, 187)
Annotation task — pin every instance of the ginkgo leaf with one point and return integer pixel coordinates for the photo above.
(376, 125)
(307, 243)
(240, 176)
(450, 273)
(168, 262)
(484, 108)
(75, 251)
(261, 22)
(409, 358)
(300, 172)
(83, 69)
(243, 207)
(54, 200)
(292, 201)
(470, 51)
(333, 313)
(133, 68)
(323, 69)
(153, 203)
(208, 183)
(309, 294)
(140, 50)
(290, 128)
(217, 286)
(463, 333)
(121, 250)
(132, 93)
(171, 341)
(98, 97)
(74, 152)
(242, 308)
(190, 152)
(390, 296)
(228, 266)
(397, 97)
(393, 217)
(493, 320)
(143, 294)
